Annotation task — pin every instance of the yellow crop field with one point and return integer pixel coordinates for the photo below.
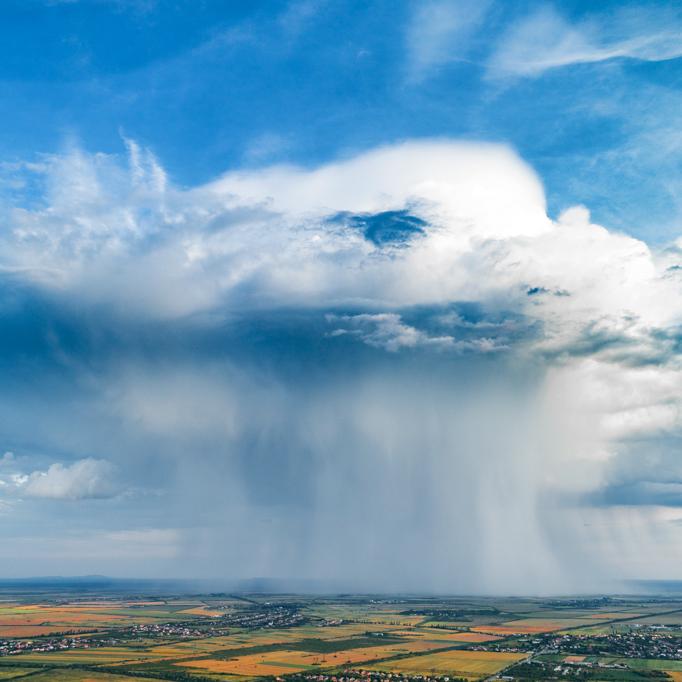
(198, 646)
(54, 616)
(80, 676)
(352, 656)
(348, 630)
(531, 626)
(38, 630)
(390, 619)
(453, 636)
(311, 632)
(270, 663)
(248, 668)
(406, 647)
(506, 630)
(203, 611)
(103, 656)
(266, 637)
(88, 616)
(471, 664)
(281, 662)
(208, 645)
(473, 637)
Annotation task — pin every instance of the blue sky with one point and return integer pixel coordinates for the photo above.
(285, 279)
(210, 86)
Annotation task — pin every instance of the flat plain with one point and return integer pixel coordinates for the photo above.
(69, 637)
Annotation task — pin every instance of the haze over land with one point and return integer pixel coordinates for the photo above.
(410, 360)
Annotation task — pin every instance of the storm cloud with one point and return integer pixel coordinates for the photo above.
(393, 371)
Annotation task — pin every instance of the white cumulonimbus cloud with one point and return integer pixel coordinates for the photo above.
(278, 237)
(577, 325)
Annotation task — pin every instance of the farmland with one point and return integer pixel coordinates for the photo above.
(470, 664)
(108, 637)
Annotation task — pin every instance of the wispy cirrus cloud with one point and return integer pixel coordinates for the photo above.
(546, 39)
(439, 32)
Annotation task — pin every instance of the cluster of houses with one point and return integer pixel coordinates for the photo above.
(271, 617)
(162, 630)
(368, 676)
(637, 642)
(10, 647)
(645, 642)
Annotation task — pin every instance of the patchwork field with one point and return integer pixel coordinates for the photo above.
(97, 656)
(78, 676)
(469, 664)
(444, 636)
(532, 626)
(23, 631)
(248, 637)
(283, 661)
